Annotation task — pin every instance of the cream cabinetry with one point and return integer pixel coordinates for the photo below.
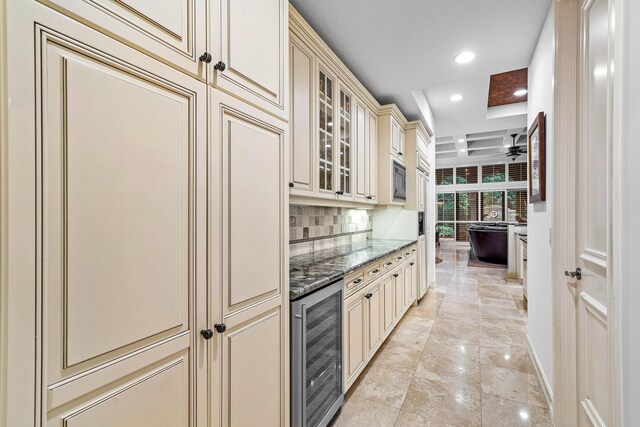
(355, 333)
(147, 311)
(302, 76)
(375, 300)
(249, 299)
(345, 150)
(422, 266)
(391, 150)
(172, 31)
(371, 159)
(248, 44)
(420, 188)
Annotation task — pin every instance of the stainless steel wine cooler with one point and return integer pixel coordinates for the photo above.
(316, 357)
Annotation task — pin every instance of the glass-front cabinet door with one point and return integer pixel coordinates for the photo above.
(345, 145)
(326, 146)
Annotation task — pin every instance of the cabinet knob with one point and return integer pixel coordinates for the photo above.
(339, 193)
(369, 197)
(411, 263)
(395, 275)
(207, 334)
(355, 282)
(399, 257)
(399, 153)
(376, 271)
(367, 296)
(220, 327)
(389, 263)
(291, 185)
(220, 66)
(205, 57)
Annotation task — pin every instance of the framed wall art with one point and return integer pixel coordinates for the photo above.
(537, 163)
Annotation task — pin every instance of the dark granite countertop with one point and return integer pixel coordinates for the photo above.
(312, 271)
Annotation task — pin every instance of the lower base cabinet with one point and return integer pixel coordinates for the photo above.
(371, 313)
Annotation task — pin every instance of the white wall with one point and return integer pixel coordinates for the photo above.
(630, 205)
(540, 218)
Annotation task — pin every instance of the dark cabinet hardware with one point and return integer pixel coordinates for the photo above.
(399, 257)
(411, 263)
(369, 197)
(205, 57)
(389, 263)
(291, 185)
(399, 153)
(408, 253)
(220, 66)
(207, 334)
(377, 270)
(396, 275)
(574, 274)
(339, 193)
(355, 282)
(367, 296)
(220, 327)
(413, 250)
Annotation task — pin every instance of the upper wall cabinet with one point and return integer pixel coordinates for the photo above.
(172, 31)
(371, 159)
(326, 106)
(254, 69)
(345, 147)
(301, 119)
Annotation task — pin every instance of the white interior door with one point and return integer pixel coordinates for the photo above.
(593, 222)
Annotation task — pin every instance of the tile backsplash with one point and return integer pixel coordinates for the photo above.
(317, 227)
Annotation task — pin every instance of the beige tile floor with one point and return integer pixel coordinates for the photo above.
(457, 359)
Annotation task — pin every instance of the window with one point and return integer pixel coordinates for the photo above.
(461, 233)
(444, 176)
(517, 172)
(492, 203)
(467, 206)
(516, 205)
(467, 175)
(446, 208)
(493, 173)
(447, 230)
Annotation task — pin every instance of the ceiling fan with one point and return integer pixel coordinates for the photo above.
(513, 152)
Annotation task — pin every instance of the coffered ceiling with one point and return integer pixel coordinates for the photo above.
(403, 51)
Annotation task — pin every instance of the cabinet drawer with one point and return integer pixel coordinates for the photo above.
(387, 263)
(372, 271)
(354, 280)
(400, 257)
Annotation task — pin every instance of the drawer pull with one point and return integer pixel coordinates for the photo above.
(411, 263)
(355, 282)
(377, 270)
(389, 263)
(407, 254)
(367, 296)
(399, 257)
(413, 250)
(396, 274)
(220, 327)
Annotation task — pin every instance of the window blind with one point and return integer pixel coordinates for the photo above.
(493, 173)
(467, 175)
(446, 207)
(518, 171)
(444, 176)
(461, 233)
(516, 205)
(467, 206)
(492, 205)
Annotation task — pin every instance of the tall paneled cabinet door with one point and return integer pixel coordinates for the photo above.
(172, 31)
(375, 317)
(371, 161)
(420, 186)
(408, 283)
(355, 333)
(361, 146)
(248, 299)
(121, 186)
(248, 52)
(388, 292)
(302, 118)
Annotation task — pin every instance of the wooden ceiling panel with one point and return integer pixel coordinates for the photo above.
(502, 86)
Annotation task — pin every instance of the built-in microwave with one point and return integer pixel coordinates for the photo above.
(399, 181)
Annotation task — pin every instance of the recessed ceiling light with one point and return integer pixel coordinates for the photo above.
(507, 145)
(464, 57)
(455, 98)
(461, 140)
(520, 92)
(524, 415)
(462, 150)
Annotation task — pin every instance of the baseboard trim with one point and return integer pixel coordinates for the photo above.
(546, 388)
